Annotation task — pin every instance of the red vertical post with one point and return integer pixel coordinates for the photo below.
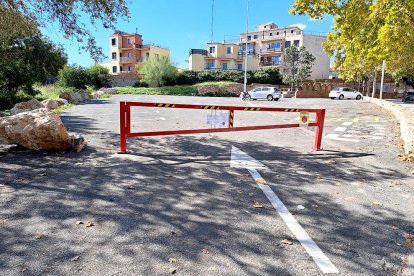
(231, 118)
(122, 127)
(320, 119)
(128, 119)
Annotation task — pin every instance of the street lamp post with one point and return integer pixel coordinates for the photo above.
(245, 50)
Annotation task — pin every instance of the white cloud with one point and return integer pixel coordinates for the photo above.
(301, 26)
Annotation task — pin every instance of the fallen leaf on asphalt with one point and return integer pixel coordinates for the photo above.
(261, 181)
(257, 205)
(38, 237)
(172, 260)
(74, 259)
(89, 224)
(239, 191)
(79, 222)
(205, 251)
(172, 270)
(168, 175)
(285, 241)
(251, 194)
(376, 202)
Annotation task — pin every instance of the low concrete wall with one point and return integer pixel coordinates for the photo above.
(406, 119)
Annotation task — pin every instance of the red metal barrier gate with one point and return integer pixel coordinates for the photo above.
(125, 120)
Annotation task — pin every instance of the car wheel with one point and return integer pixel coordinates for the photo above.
(341, 97)
(332, 98)
(276, 99)
(358, 97)
(269, 97)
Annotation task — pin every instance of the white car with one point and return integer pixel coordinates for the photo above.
(345, 93)
(265, 93)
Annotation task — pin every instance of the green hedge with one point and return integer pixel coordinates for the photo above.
(265, 76)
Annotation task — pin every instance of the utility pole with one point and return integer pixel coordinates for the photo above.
(245, 57)
(212, 20)
(374, 84)
(382, 79)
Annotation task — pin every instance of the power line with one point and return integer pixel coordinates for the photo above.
(212, 19)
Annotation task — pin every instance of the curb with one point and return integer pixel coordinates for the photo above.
(406, 119)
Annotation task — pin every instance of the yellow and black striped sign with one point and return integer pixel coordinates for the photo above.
(164, 105)
(210, 107)
(251, 108)
(231, 119)
(291, 110)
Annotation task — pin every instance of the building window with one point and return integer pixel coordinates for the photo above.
(296, 43)
(271, 34)
(114, 55)
(225, 66)
(128, 41)
(113, 41)
(212, 50)
(240, 66)
(129, 68)
(114, 69)
(277, 33)
(129, 54)
(121, 69)
(287, 44)
(255, 37)
(291, 31)
(210, 65)
(229, 50)
(275, 60)
(276, 45)
(249, 37)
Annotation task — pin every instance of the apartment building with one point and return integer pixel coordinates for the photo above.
(128, 50)
(265, 48)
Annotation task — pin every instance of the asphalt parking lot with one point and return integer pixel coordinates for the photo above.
(238, 203)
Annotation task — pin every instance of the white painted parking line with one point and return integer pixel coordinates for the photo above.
(347, 123)
(336, 137)
(340, 129)
(321, 260)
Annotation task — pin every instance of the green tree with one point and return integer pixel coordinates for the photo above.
(157, 70)
(365, 33)
(297, 65)
(20, 18)
(24, 62)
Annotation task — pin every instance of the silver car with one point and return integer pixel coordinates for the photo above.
(265, 93)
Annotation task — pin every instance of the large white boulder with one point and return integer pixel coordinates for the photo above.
(39, 129)
(75, 97)
(25, 106)
(97, 94)
(54, 103)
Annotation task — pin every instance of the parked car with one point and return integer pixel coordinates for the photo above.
(408, 97)
(265, 93)
(345, 93)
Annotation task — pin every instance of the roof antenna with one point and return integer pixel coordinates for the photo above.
(212, 19)
(136, 30)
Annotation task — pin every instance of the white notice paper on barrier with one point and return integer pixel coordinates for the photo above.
(218, 120)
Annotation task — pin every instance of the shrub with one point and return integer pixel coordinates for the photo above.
(79, 77)
(140, 84)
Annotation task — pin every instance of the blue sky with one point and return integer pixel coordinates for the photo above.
(184, 24)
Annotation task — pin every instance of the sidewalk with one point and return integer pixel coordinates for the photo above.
(405, 115)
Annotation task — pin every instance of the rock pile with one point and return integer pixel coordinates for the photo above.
(75, 97)
(36, 129)
(25, 106)
(51, 104)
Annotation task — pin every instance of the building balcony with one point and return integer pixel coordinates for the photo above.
(218, 68)
(271, 50)
(198, 52)
(270, 63)
(126, 72)
(127, 60)
(249, 52)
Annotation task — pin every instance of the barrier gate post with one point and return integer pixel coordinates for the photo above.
(122, 124)
(320, 118)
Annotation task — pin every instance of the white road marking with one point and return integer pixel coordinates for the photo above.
(240, 159)
(324, 264)
(321, 260)
(347, 123)
(336, 137)
(340, 129)
(162, 118)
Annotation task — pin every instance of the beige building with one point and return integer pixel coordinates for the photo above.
(264, 49)
(128, 50)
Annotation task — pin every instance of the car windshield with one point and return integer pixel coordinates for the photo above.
(410, 94)
(336, 89)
